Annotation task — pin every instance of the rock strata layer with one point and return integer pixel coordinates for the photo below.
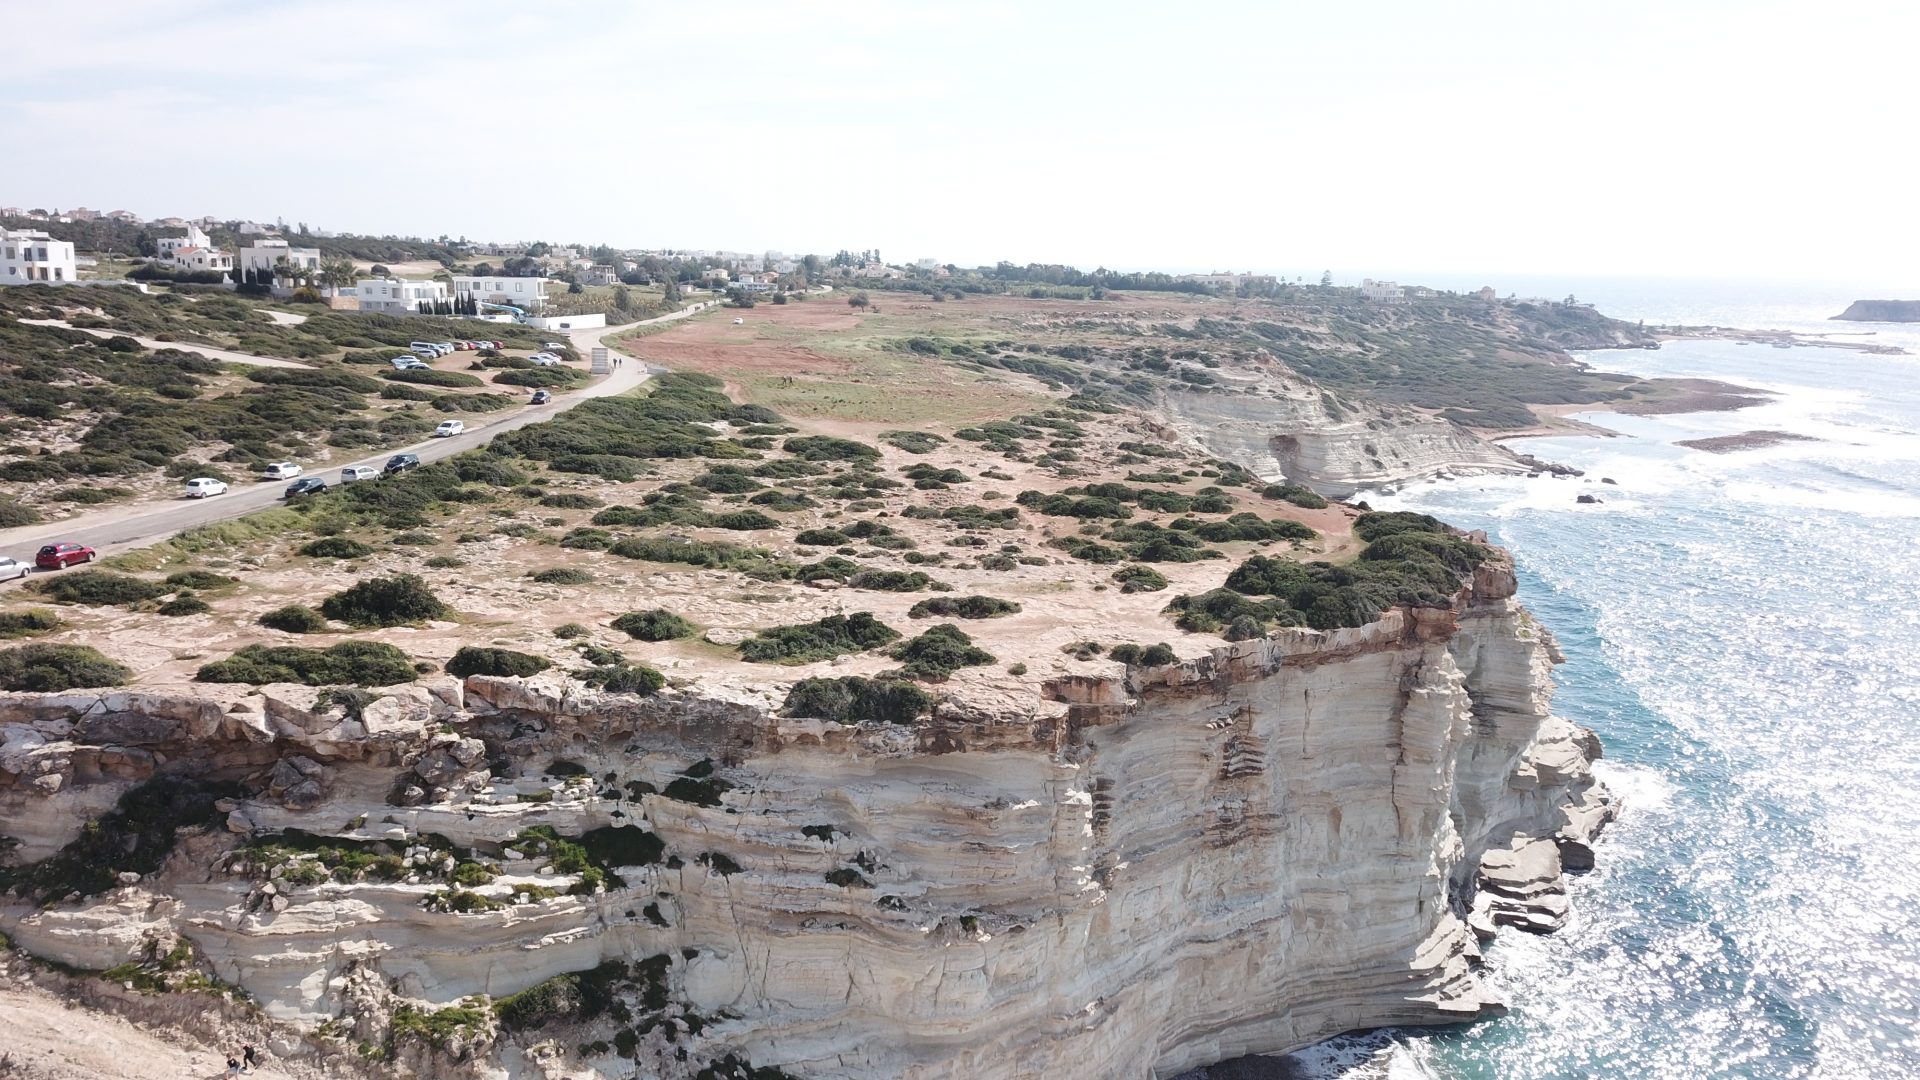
(1139, 872)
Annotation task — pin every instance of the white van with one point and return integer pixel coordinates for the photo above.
(449, 428)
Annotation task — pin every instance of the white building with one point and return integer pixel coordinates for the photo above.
(928, 265)
(193, 252)
(253, 228)
(1381, 292)
(715, 276)
(395, 296)
(264, 255)
(28, 255)
(523, 292)
(757, 282)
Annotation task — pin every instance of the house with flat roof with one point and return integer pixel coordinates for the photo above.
(263, 256)
(29, 256)
(529, 293)
(394, 296)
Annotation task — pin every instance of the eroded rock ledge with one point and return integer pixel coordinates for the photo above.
(1141, 872)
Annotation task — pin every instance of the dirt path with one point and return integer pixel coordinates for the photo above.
(225, 356)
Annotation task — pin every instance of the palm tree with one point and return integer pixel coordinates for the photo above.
(337, 272)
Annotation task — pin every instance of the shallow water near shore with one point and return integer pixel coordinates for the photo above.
(1742, 631)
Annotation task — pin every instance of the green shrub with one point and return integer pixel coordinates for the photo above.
(888, 580)
(430, 377)
(14, 513)
(446, 562)
(938, 652)
(913, 442)
(562, 575)
(1136, 578)
(835, 635)
(822, 538)
(537, 377)
(1297, 494)
(727, 480)
(783, 501)
(1152, 656)
(719, 555)
(385, 601)
(186, 603)
(98, 588)
(49, 668)
(474, 660)
(741, 520)
(336, 547)
(624, 678)
(852, 700)
(963, 607)
(356, 663)
(294, 619)
(829, 448)
(19, 624)
(568, 500)
(657, 624)
(93, 496)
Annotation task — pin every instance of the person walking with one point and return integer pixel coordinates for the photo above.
(248, 1058)
(233, 1067)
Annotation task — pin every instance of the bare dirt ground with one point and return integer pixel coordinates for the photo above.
(45, 1038)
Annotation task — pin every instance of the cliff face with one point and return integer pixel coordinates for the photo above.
(1294, 435)
(1142, 873)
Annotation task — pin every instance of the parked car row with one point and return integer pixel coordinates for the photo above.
(447, 348)
(397, 464)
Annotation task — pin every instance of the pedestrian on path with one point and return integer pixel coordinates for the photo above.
(248, 1059)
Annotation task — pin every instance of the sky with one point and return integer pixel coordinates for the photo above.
(1677, 139)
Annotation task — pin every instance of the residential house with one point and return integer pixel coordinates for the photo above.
(522, 292)
(252, 228)
(1381, 292)
(82, 214)
(395, 296)
(600, 275)
(926, 264)
(193, 252)
(1486, 293)
(28, 255)
(757, 281)
(123, 216)
(12, 211)
(263, 256)
(716, 276)
(168, 223)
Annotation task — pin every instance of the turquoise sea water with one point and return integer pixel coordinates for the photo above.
(1743, 630)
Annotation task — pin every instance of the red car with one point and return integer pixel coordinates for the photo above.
(61, 556)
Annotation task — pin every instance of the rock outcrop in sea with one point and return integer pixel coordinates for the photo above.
(1140, 871)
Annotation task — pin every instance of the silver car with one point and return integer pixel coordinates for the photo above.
(13, 569)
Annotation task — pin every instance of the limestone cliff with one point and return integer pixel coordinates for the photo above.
(1295, 433)
(1133, 873)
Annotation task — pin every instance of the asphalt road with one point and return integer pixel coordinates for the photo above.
(120, 528)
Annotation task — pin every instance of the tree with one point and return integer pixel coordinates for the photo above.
(337, 272)
(739, 297)
(622, 298)
(380, 271)
(859, 300)
(539, 248)
(1326, 279)
(673, 294)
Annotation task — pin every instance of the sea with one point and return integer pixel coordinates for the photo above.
(1743, 632)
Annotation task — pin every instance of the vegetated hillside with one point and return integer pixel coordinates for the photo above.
(89, 419)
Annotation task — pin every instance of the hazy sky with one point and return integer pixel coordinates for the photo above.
(1665, 139)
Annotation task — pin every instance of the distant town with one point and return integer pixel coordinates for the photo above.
(534, 282)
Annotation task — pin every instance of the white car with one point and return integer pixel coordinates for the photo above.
(739, 322)
(358, 472)
(280, 470)
(11, 569)
(553, 344)
(449, 428)
(407, 363)
(542, 360)
(201, 487)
